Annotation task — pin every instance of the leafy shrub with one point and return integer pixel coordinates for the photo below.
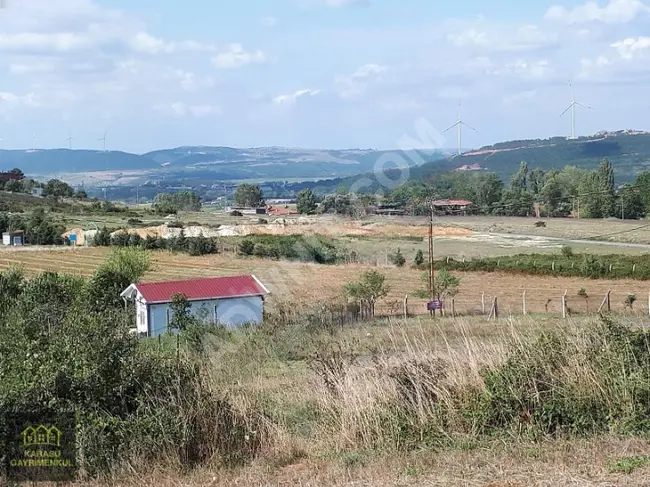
(246, 247)
(419, 258)
(613, 266)
(398, 258)
(236, 213)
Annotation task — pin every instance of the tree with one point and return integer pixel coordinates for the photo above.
(201, 246)
(181, 314)
(519, 182)
(536, 180)
(606, 186)
(80, 194)
(642, 184)
(172, 203)
(55, 188)
(445, 285)
(398, 258)
(630, 203)
(249, 195)
(419, 258)
(246, 247)
(591, 196)
(371, 287)
(306, 202)
(124, 267)
(14, 186)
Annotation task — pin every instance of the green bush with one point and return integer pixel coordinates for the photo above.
(65, 346)
(569, 264)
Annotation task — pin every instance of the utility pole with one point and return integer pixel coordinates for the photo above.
(431, 259)
(622, 209)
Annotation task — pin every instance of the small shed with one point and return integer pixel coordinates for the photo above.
(230, 301)
(14, 238)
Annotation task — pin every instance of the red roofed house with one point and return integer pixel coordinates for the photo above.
(230, 301)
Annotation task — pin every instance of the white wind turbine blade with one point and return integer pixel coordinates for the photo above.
(454, 125)
(468, 126)
(567, 109)
(585, 106)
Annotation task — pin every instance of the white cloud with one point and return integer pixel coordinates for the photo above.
(524, 69)
(33, 42)
(493, 37)
(614, 12)
(292, 98)
(631, 47)
(10, 101)
(236, 56)
(356, 84)
(148, 44)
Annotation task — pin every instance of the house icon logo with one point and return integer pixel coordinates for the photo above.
(41, 436)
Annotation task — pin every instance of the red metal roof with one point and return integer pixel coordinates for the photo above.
(206, 288)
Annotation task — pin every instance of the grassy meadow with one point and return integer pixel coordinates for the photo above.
(429, 402)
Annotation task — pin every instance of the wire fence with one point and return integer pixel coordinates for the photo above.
(530, 302)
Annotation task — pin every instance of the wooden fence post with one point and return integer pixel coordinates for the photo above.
(495, 309)
(453, 307)
(406, 309)
(564, 304)
(523, 303)
(483, 302)
(607, 302)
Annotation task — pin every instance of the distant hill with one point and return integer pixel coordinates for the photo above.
(208, 163)
(629, 152)
(54, 161)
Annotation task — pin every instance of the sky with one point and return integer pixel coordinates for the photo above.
(333, 74)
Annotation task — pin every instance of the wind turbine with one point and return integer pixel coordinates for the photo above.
(104, 140)
(33, 142)
(459, 124)
(69, 139)
(572, 107)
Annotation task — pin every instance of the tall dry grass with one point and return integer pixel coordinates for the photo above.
(424, 391)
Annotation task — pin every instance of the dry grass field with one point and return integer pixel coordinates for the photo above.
(300, 281)
(308, 451)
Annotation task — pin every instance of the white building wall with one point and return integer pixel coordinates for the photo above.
(229, 312)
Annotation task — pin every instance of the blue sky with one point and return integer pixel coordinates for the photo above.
(316, 73)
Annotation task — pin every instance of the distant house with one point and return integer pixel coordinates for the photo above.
(245, 210)
(389, 209)
(231, 301)
(451, 207)
(8, 176)
(15, 238)
(38, 192)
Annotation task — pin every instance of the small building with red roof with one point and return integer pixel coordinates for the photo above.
(229, 301)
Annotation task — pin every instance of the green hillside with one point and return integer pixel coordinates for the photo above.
(629, 152)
